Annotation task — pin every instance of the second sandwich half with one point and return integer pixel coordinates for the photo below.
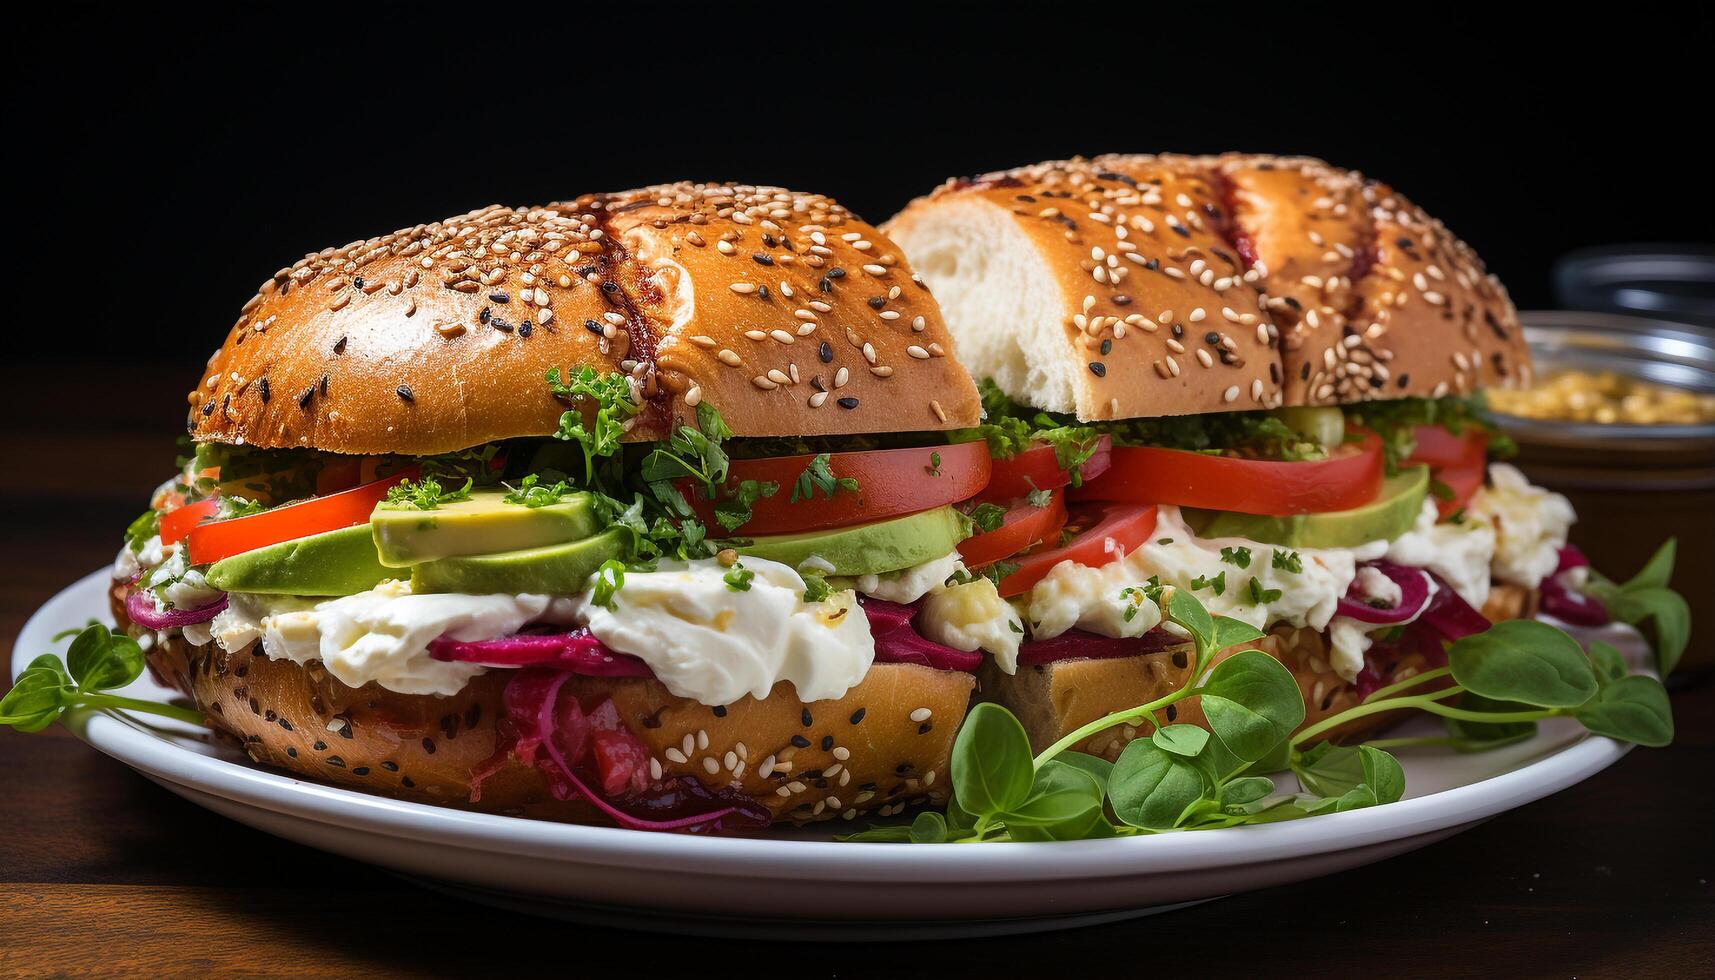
(1258, 379)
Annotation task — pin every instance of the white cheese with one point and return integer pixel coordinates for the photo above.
(1074, 595)
(1531, 525)
(1459, 553)
(707, 642)
(910, 584)
(973, 616)
(381, 635)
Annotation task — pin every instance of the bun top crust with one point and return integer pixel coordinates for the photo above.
(1151, 310)
(438, 337)
(1320, 285)
(787, 311)
(1374, 298)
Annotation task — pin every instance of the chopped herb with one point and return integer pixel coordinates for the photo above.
(1240, 556)
(819, 475)
(425, 494)
(1218, 583)
(988, 517)
(1288, 561)
(609, 579)
(531, 492)
(1440, 490)
(1260, 595)
(610, 394)
(146, 526)
(934, 464)
(738, 578)
(816, 587)
(735, 511)
(1040, 498)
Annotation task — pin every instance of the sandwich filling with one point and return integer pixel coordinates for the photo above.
(723, 568)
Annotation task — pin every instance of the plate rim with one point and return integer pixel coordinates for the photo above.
(135, 745)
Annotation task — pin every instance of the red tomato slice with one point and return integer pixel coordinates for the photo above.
(222, 539)
(890, 482)
(1464, 480)
(1024, 526)
(339, 474)
(1436, 447)
(1110, 531)
(1458, 462)
(177, 523)
(1037, 469)
(1350, 478)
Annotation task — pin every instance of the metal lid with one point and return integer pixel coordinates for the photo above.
(1658, 351)
(1676, 281)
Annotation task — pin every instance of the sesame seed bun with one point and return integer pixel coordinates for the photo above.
(783, 310)
(1131, 286)
(885, 744)
(1103, 289)
(1373, 297)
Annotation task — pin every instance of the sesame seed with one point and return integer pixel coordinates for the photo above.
(921, 714)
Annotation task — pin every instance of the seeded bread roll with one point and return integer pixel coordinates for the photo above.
(884, 745)
(1132, 286)
(1373, 297)
(1110, 291)
(786, 312)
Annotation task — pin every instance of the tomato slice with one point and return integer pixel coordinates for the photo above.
(1463, 480)
(222, 539)
(177, 523)
(1436, 447)
(890, 482)
(1458, 462)
(1350, 478)
(1038, 469)
(1109, 531)
(1024, 526)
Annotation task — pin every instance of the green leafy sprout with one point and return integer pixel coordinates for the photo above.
(98, 660)
(1497, 685)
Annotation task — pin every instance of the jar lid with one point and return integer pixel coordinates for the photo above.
(1672, 281)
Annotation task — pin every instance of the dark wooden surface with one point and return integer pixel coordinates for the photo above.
(102, 872)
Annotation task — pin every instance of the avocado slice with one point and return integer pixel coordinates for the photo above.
(484, 524)
(556, 569)
(868, 549)
(1391, 514)
(339, 562)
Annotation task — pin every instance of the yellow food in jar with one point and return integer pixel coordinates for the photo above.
(1605, 397)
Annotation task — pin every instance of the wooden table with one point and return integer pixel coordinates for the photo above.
(102, 872)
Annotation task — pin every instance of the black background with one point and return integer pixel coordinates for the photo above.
(164, 163)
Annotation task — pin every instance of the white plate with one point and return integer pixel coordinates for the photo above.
(801, 884)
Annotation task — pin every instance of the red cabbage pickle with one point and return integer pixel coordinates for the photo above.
(577, 651)
(1449, 615)
(539, 719)
(1562, 601)
(1413, 588)
(897, 642)
(1446, 617)
(141, 610)
(1077, 644)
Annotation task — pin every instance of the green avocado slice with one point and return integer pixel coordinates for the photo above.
(484, 524)
(341, 562)
(1391, 514)
(557, 569)
(868, 549)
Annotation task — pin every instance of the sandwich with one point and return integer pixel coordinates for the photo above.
(1255, 378)
(602, 511)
